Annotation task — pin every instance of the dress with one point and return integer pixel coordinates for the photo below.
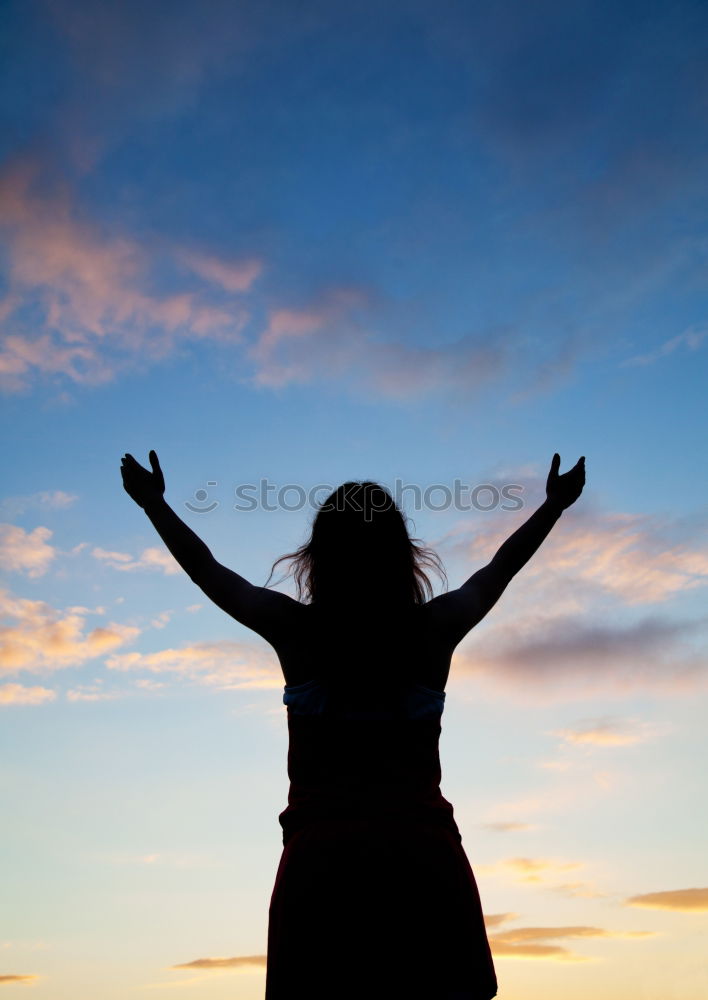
(374, 896)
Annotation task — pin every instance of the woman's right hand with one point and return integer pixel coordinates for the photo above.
(564, 490)
(140, 484)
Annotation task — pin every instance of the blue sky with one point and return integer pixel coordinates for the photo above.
(308, 243)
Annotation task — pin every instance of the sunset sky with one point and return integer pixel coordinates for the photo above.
(288, 244)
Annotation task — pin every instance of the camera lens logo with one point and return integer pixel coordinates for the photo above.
(201, 495)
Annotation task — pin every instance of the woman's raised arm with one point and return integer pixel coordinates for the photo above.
(265, 611)
(460, 610)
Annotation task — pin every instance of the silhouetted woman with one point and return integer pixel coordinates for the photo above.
(374, 896)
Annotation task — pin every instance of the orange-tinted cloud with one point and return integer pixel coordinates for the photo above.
(682, 900)
(606, 733)
(533, 870)
(532, 942)
(19, 694)
(17, 979)
(509, 826)
(42, 638)
(259, 961)
(225, 664)
(495, 919)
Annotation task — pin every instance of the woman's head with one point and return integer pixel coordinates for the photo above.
(360, 549)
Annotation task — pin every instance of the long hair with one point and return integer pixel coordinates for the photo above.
(360, 548)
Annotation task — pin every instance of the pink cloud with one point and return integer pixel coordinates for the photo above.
(329, 339)
(100, 315)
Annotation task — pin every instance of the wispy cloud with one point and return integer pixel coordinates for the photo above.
(91, 692)
(151, 558)
(332, 338)
(240, 962)
(691, 339)
(12, 507)
(7, 980)
(681, 900)
(99, 311)
(509, 826)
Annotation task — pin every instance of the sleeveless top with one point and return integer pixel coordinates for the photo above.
(363, 753)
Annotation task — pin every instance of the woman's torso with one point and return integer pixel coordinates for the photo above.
(366, 645)
(365, 694)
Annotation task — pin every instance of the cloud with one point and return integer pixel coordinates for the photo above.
(245, 961)
(507, 827)
(495, 919)
(330, 339)
(533, 870)
(232, 276)
(571, 657)
(168, 859)
(146, 684)
(532, 942)
(607, 732)
(90, 692)
(692, 338)
(162, 619)
(635, 558)
(17, 979)
(18, 694)
(681, 900)
(41, 637)
(12, 507)
(578, 890)
(225, 664)
(26, 551)
(151, 558)
(82, 303)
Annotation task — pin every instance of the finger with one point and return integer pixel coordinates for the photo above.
(155, 462)
(555, 464)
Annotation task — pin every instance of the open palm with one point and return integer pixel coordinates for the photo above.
(564, 490)
(143, 486)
